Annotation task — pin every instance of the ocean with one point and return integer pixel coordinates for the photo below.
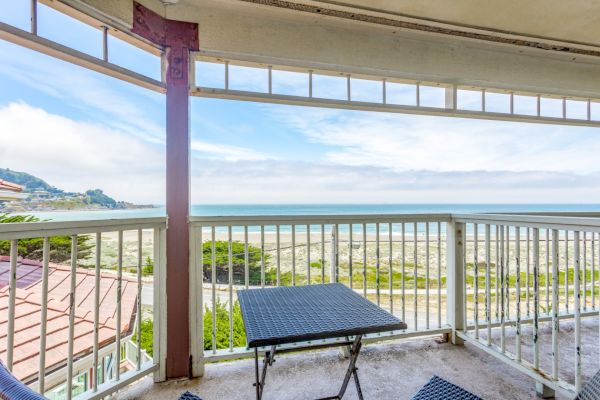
(316, 209)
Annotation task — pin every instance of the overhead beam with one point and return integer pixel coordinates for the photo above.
(380, 107)
(62, 52)
(267, 34)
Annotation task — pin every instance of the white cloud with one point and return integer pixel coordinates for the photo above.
(279, 181)
(76, 156)
(402, 142)
(226, 152)
(128, 108)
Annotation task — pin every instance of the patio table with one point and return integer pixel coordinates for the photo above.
(305, 314)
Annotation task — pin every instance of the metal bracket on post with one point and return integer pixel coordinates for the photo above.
(455, 248)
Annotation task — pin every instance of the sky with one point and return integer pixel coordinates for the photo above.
(78, 130)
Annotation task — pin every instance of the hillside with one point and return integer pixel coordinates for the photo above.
(30, 182)
(45, 197)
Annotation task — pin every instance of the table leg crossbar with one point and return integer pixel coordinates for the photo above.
(350, 372)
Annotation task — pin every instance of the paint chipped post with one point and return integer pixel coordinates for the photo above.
(455, 250)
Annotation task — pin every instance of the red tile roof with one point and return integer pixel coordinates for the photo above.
(28, 312)
(13, 187)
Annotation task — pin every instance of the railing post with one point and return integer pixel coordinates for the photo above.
(196, 303)
(159, 332)
(455, 249)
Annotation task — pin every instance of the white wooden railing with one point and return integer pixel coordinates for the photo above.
(491, 280)
(84, 360)
(521, 271)
(397, 261)
(480, 278)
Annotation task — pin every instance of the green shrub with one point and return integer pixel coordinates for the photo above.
(222, 331)
(60, 246)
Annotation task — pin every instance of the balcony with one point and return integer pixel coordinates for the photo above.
(488, 281)
(505, 305)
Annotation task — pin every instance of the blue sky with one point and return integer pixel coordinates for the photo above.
(78, 130)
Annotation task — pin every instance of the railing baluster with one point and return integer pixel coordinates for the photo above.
(278, 240)
(230, 282)
(548, 251)
(117, 360)
(476, 279)
(350, 249)
(527, 275)
(308, 253)
(12, 298)
(403, 227)
(377, 264)
(333, 265)
(536, 298)
(71, 337)
(322, 254)
(518, 288)
(464, 267)
(364, 238)
(426, 275)
(247, 259)
(213, 256)
(439, 273)
(593, 277)
(567, 271)
(293, 255)
(391, 272)
(139, 298)
(577, 309)
(415, 261)
(496, 276)
(502, 293)
(44, 317)
(262, 257)
(584, 272)
(555, 307)
(488, 313)
(507, 280)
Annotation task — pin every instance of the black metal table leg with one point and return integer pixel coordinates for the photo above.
(257, 384)
(351, 371)
(260, 381)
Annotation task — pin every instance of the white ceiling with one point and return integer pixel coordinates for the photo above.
(575, 21)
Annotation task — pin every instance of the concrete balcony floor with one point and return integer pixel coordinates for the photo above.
(390, 370)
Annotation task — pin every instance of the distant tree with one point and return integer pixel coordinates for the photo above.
(148, 268)
(238, 261)
(97, 196)
(60, 246)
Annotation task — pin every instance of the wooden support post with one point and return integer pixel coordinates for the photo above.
(178, 39)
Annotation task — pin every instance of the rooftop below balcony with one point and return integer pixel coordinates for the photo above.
(391, 370)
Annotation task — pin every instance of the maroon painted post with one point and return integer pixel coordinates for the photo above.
(178, 39)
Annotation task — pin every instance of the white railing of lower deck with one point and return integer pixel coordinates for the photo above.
(76, 363)
(523, 271)
(396, 261)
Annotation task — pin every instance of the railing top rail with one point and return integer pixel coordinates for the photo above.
(576, 221)
(269, 220)
(24, 230)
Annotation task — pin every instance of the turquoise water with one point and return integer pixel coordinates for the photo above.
(318, 209)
